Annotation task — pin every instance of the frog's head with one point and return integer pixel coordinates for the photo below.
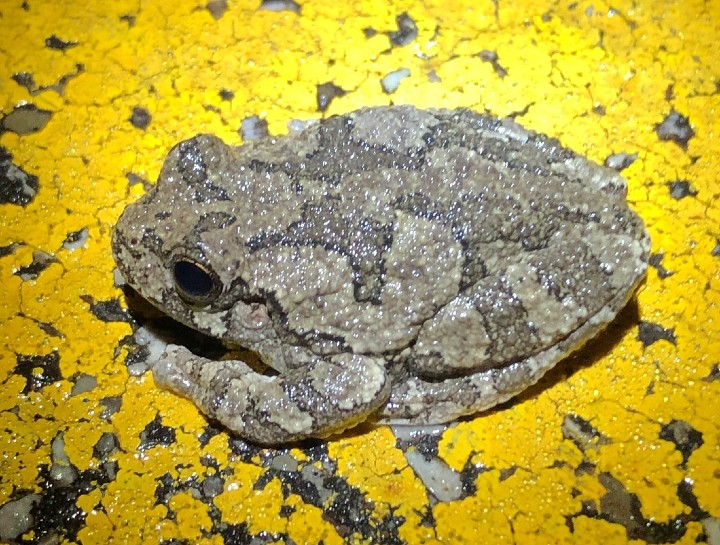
(175, 246)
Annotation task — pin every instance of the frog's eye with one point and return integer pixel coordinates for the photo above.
(195, 282)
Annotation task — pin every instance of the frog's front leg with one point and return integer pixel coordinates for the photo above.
(327, 396)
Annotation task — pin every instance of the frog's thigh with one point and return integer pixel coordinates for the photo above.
(476, 331)
(531, 305)
(322, 398)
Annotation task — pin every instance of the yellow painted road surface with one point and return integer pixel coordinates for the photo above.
(619, 444)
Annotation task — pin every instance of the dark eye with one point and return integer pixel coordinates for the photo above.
(195, 283)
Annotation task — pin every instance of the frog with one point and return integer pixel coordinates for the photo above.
(390, 265)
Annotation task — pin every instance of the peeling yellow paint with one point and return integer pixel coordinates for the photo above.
(598, 76)
(258, 509)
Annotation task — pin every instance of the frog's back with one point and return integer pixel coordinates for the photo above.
(412, 218)
(391, 227)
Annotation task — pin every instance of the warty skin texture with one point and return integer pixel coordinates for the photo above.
(396, 264)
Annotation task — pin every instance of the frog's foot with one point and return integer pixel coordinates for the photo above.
(325, 397)
(419, 402)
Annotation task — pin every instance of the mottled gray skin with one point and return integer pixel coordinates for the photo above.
(396, 264)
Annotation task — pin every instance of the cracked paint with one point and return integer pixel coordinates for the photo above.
(620, 443)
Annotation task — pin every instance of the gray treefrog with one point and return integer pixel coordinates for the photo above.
(393, 264)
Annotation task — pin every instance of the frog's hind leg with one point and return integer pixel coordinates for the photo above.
(424, 401)
(325, 397)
